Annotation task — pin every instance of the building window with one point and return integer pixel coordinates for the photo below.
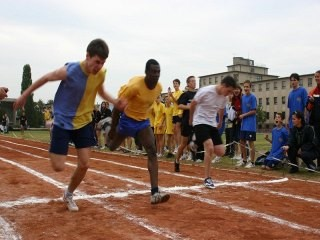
(275, 100)
(267, 115)
(309, 82)
(216, 81)
(236, 76)
(301, 82)
(210, 82)
(260, 101)
(252, 70)
(267, 101)
(283, 85)
(259, 78)
(275, 86)
(252, 88)
(274, 114)
(260, 87)
(267, 86)
(284, 115)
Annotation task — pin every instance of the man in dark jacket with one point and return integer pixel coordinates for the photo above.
(302, 143)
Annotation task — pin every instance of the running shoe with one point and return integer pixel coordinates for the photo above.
(208, 183)
(159, 198)
(68, 199)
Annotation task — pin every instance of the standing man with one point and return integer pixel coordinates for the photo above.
(313, 107)
(298, 97)
(177, 113)
(208, 103)
(140, 92)
(23, 122)
(186, 127)
(248, 125)
(73, 106)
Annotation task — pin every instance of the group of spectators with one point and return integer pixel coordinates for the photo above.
(298, 139)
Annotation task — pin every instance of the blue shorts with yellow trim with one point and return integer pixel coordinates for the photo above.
(130, 127)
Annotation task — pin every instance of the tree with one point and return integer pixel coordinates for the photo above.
(31, 110)
(261, 115)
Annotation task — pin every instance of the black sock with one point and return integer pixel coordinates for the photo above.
(154, 190)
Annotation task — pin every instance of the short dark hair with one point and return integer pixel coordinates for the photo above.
(295, 76)
(151, 62)
(318, 71)
(247, 81)
(176, 80)
(229, 81)
(281, 115)
(98, 47)
(299, 115)
(188, 78)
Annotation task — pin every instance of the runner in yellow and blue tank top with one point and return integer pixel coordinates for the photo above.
(140, 93)
(73, 106)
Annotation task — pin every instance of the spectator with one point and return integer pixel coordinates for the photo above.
(169, 127)
(177, 113)
(279, 139)
(5, 123)
(298, 97)
(23, 123)
(159, 125)
(236, 100)
(186, 127)
(105, 112)
(313, 107)
(248, 125)
(302, 143)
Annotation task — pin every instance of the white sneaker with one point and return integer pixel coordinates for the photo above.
(249, 165)
(189, 157)
(175, 150)
(240, 163)
(72, 206)
(237, 157)
(216, 159)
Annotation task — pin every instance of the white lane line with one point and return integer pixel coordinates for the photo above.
(7, 231)
(138, 220)
(223, 205)
(253, 213)
(218, 183)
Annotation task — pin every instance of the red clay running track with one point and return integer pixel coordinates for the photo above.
(114, 200)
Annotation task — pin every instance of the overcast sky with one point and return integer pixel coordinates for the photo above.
(197, 37)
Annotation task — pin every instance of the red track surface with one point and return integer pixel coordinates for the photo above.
(114, 200)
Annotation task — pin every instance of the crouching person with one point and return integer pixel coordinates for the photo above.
(302, 143)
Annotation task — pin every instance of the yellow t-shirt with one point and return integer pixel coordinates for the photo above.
(151, 114)
(139, 97)
(169, 125)
(176, 110)
(47, 115)
(159, 119)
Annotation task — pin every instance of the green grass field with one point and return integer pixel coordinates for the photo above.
(261, 146)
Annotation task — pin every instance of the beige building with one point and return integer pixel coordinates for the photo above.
(271, 91)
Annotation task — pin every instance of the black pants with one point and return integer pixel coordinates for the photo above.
(306, 156)
(229, 139)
